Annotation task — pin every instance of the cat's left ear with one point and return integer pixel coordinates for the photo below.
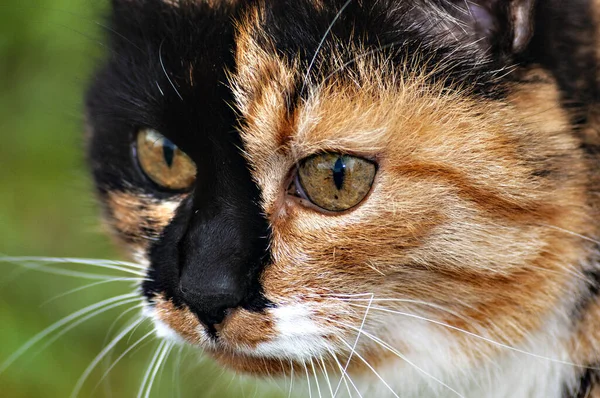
(505, 25)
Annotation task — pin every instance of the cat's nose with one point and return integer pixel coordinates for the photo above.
(210, 303)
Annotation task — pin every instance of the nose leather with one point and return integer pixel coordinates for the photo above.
(212, 302)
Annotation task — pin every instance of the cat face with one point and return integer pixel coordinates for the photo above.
(321, 181)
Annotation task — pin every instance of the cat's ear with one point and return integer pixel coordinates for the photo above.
(505, 25)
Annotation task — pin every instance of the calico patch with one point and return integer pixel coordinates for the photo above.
(474, 236)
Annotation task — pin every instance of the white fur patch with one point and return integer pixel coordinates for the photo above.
(436, 365)
(161, 329)
(299, 337)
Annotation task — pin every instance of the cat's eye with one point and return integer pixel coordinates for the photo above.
(336, 182)
(163, 161)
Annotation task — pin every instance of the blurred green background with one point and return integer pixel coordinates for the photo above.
(48, 49)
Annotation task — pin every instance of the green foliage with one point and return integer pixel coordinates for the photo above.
(48, 49)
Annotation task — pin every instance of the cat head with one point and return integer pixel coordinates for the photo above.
(294, 172)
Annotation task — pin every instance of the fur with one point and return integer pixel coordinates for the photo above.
(470, 268)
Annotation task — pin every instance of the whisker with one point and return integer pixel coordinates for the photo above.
(493, 342)
(291, 379)
(370, 367)
(160, 89)
(344, 298)
(127, 351)
(312, 364)
(357, 338)
(72, 260)
(155, 356)
(117, 319)
(101, 355)
(89, 286)
(307, 380)
(159, 362)
(397, 353)
(119, 266)
(108, 357)
(572, 233)
(162, 65)
(397, 300)
(176, 375)
(344, 376)
(65, 272)
(314, 58)
(108, 28)
(82, 320)
(322, 364)
(38, 337)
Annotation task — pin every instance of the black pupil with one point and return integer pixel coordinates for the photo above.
(169, 152)
(339, 170)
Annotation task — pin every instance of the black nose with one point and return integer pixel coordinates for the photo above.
(211, 302)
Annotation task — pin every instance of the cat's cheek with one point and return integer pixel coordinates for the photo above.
(138, 220)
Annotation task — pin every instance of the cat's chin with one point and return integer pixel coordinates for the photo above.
(252, 365)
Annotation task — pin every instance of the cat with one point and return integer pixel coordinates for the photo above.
(402, 194)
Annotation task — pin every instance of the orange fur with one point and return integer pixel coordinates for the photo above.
(138, 219)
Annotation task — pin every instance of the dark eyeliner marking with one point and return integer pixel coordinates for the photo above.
(339, 171)
(168, 152)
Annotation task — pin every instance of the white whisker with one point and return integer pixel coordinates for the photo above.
(108, 357)
(101, 355)
(155, 356)
(128, 350)
(370, 367)
(312, 364)
(316, 54)
(38, 337)
(113, 264)
(159, 362)
(307, 380)
(397, 300)
(345, 377)
(398, 354)
(162, 65)
(117, 319)
(65, 272)
(85, 318)
(291, 379)
(176, 374)
(356, 340)
(89, 286)
(358, 57)
(322, 364)
(493, 342)
(572, 233)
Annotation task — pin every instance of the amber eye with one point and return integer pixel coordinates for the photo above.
(163, 162)
(336, 182)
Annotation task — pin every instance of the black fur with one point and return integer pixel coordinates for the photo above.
(589, 379)
(218, 233)
(565, 44)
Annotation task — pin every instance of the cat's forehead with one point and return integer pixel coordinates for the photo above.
(305, 85)
(288, 53)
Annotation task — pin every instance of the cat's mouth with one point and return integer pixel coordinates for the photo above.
(248, 341)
